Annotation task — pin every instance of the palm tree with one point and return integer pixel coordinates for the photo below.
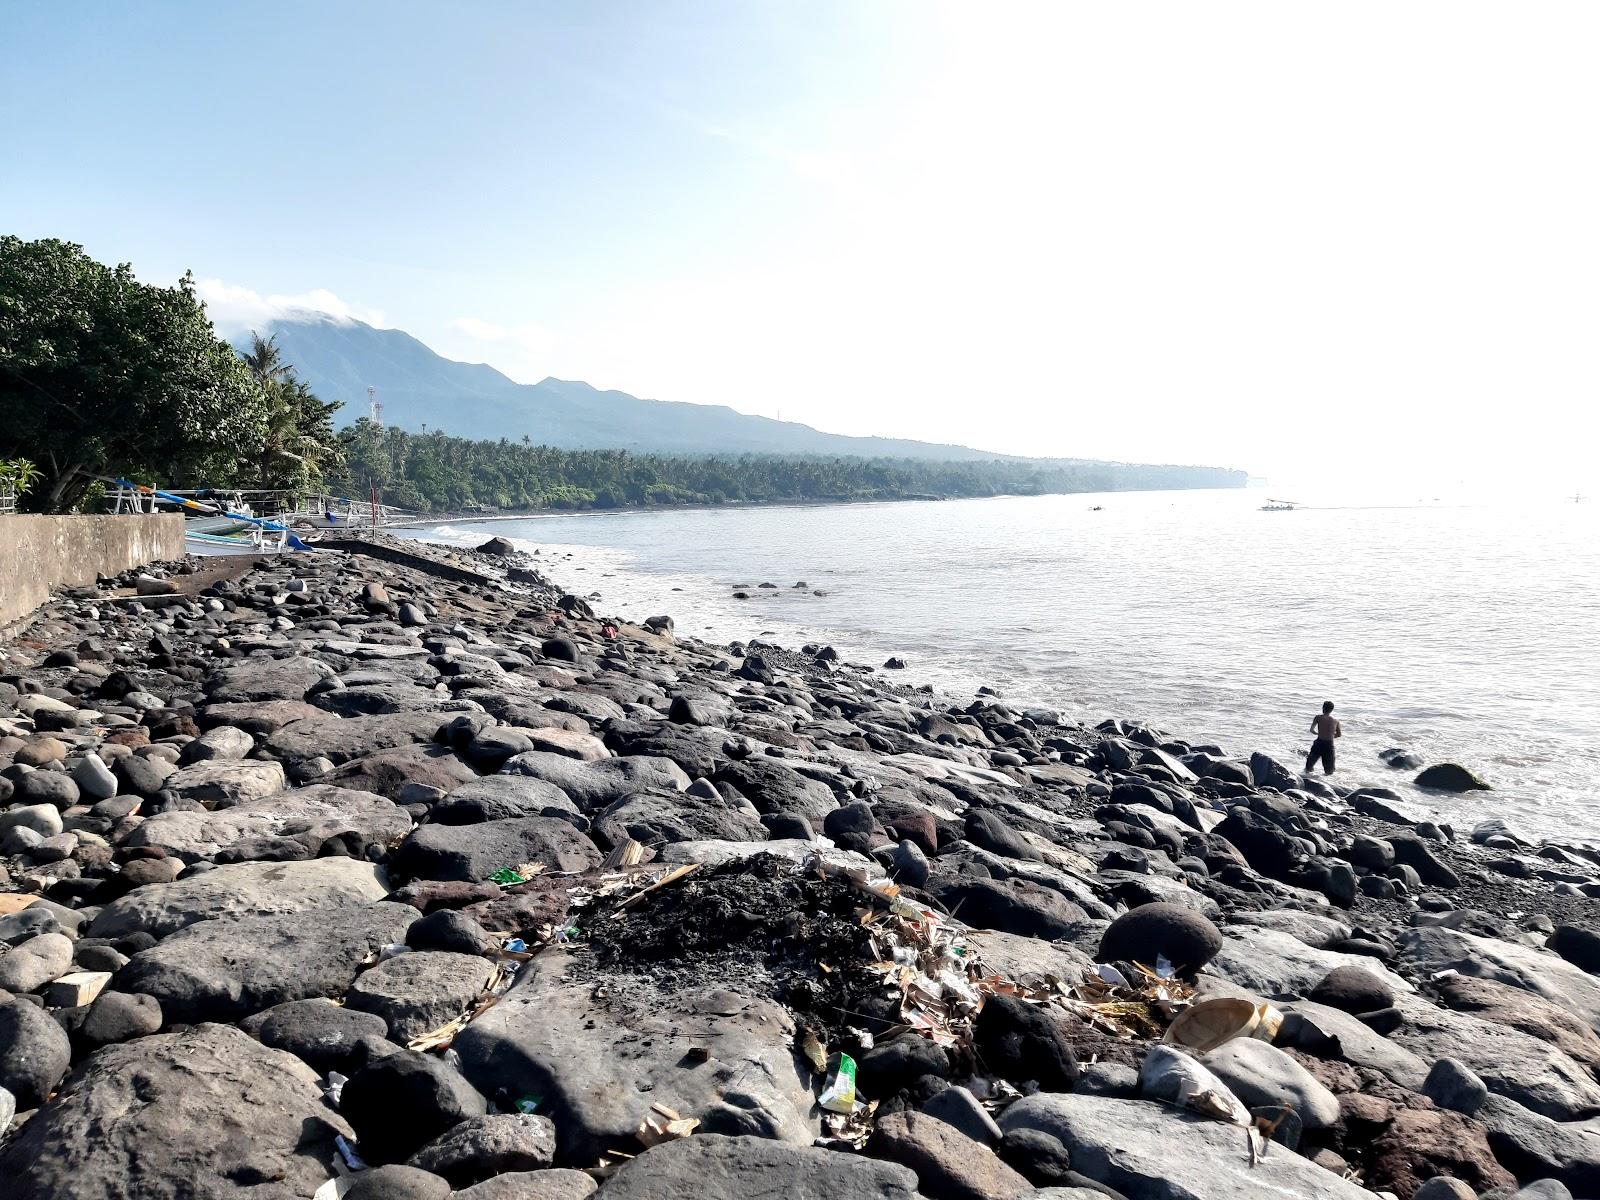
(265, 360)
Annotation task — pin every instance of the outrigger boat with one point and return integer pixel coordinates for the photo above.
(211, 526)
(1279, 505)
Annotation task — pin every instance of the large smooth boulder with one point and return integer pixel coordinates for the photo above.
(420, 991)
(341, 739)
(592, 786)
(1325, 1032)
(709, 1167)
(240, 889)
(1260, 1074)
(1153, 1152)
(1532, 1072)
(326, 1035)
(1520, 1009)
(223, 782)
(489, 1145)
(267, 679)
(1020, 1041)
(655, 818)
(949, 1165)
(34, 1053)
(601, 1063)
(474, 852)
(1450, 777)
(226, 968)
(35, 962)
(304, 823)
(1428, 951)
(391, 772)
(1012, 906)
(503, 798)
(201, 1114)
(775, 788)
(1274, 964)
(1152, 932)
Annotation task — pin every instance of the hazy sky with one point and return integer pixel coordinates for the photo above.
(1334, 239)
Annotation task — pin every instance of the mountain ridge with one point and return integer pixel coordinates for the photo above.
(340, 357)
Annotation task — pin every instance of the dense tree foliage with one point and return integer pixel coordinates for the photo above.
(436, 472)
(298, 447)
(101, 375)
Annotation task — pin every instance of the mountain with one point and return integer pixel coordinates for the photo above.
(341, 358)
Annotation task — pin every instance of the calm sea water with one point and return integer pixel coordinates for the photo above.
(1466, 633)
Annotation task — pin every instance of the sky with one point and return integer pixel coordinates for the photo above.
(1354, 241)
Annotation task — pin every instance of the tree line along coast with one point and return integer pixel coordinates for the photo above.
(103, 376)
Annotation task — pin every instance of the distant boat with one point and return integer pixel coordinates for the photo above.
(1279, 505)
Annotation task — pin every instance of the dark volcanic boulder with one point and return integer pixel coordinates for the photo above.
(1353, 990)
(325, 1035)
(1264, 846)
(1012, 906)
(481, 1147)
(474, 852)
(233, 966)
(655, 818)
(201, 1114)
(714, 1167)
(773, 788)
(1450, 777)
(1185, 938)
(501, 798)
(401, 1103)
(1021, 1041)
(34, 1053)
(987, 830)
(1579, 946)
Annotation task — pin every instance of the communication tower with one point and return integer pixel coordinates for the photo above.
(374, 408)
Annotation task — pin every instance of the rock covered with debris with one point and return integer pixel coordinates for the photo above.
(402, 872)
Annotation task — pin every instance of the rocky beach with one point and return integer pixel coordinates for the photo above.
(397, 872)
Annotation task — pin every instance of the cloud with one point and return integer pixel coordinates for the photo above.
(235, 309)
(524, 351)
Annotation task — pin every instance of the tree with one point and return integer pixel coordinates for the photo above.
(103, 375)
(298, 446)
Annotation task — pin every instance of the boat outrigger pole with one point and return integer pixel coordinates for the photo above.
(215, 510)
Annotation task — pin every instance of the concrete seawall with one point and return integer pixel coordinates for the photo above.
(39, 553)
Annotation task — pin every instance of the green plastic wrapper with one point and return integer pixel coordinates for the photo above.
(840, 1094)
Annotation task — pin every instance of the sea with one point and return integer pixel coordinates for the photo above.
(1464, 631)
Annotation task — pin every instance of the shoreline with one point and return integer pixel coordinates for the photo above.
(225, 808)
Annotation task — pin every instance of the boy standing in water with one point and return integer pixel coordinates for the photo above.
(1326, 728)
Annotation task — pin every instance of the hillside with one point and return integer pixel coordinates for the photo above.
(342, 358)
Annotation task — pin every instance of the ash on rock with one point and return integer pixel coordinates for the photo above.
(406, 862)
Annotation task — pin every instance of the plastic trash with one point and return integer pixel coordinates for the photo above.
(506, 877)
(348, 1152)
(1111, 975)
(840, 1094)
(515, 945)
(333, 1090)
(1206, 1025)
(527, 1104)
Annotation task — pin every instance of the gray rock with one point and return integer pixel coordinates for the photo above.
(305, 823)
(949, 1165)
(118, 1017)
(223, 742)
(1328, 1033)
(474, 852)
(548, 1037)
(35, 962)
(43, 819)
(1153, 1152)
(659, 817)
(94, 779)
(34, 1054)
(404, 1101)
(398, 1182)
(1535, 1147)
(489, 1145)
(1450, 777)
(1512, 1063)
(1442, 1187)
(711, 1167)
(1274, 964)
(1450, 1084)
(320, 885)
(223, 783)
(418, 992)
(559, 1183)
(232, 966)
(503, 798)
(8, 1110)
(244, 1121)
(55, 788)
(1260, 1075)
(344, 739)
(1151, 932)
(592, 786)
(958, 1107)
(30, 922)
(325, 1035)
(267, 679)
(448, 929)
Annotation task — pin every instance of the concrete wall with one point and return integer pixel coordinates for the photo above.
(39, 553)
